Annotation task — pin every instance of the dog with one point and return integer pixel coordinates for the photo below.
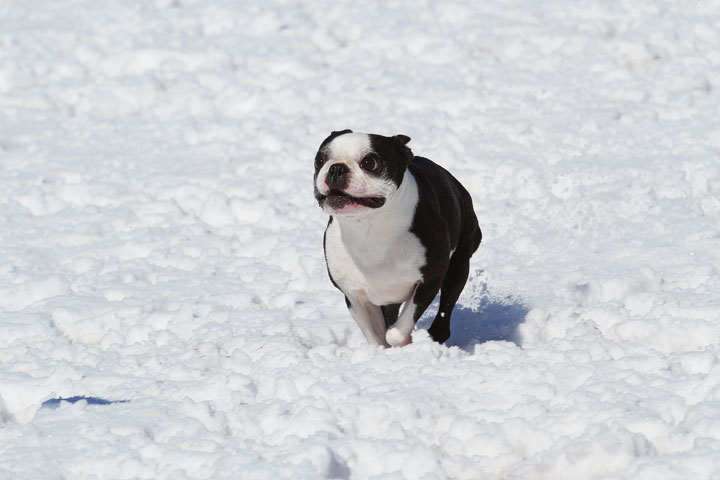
(401, 229)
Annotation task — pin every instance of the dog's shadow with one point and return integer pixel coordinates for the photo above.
(492, 320)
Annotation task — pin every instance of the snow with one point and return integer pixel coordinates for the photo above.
(161, 264)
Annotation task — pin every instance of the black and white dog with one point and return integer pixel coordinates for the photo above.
(401, 228)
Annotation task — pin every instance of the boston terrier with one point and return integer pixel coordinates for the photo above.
(401, 229)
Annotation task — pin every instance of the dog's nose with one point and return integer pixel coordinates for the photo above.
(337, 170)
(337, 176)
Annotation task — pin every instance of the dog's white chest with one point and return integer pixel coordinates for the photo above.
(383, 272)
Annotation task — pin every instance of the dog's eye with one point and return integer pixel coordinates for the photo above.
(320, 160)
(370, 163)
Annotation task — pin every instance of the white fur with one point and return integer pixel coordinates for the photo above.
(349, 146)
(398, 334)
(370, 319)
(376, 260)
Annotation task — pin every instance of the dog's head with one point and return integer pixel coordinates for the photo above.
(356, 173)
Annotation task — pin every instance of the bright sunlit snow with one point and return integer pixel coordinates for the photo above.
(165, 311)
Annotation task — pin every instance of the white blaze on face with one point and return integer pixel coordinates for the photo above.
(351, 146)
(349, 149)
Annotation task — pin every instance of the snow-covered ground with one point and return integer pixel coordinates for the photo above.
(160, 244)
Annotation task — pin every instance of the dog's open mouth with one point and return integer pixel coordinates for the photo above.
(338, 199)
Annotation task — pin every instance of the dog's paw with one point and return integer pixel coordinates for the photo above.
(396, 338)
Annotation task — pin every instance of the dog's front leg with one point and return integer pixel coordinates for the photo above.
(369, 318)
(398, 334)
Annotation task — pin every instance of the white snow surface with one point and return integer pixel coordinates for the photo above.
(160, 244)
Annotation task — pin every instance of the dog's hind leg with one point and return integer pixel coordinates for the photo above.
(456, 277)
(453, 284)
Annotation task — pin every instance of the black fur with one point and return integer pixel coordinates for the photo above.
(444, 221)
(390, 150)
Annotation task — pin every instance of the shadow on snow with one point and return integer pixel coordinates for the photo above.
(492, 320)
(55, 402)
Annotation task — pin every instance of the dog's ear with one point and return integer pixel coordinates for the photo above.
(403, 139)
(401, 143)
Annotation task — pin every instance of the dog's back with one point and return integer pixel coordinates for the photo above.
(443, 199)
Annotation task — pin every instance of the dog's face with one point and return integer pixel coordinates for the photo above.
(357, 173)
